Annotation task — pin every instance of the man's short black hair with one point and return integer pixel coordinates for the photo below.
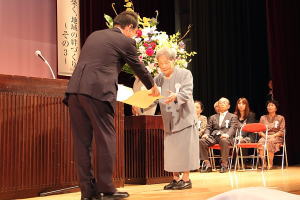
(126, 18)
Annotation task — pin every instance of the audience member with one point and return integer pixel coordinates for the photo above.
(201, 119)
(276, 131)
(220, 129)
(245, 116)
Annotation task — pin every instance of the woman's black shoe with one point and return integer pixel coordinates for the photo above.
(223, 169)
(170, 185)
(181, 185)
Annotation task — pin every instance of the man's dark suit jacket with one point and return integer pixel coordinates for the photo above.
(213, 127)
(101, 60)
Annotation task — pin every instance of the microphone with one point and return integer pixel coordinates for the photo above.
(38, 53)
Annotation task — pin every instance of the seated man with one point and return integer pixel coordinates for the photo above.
(220, 129)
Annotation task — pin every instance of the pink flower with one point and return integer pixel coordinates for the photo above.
(149, 51)
(146, 44)
(141, 58)
(153, 45)
(139, 33)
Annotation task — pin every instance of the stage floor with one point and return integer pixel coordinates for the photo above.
(208, 185)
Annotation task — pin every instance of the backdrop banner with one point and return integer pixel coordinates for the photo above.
(68, 36)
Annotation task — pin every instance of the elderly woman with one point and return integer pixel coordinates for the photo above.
(276, 127)
(181, 148)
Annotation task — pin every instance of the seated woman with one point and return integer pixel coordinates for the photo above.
(216, 107)
(276, 127)
(181, 140)
(201, 119)
(245, 116)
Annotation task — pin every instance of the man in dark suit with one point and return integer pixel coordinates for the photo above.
(220, 129)
(91, 97)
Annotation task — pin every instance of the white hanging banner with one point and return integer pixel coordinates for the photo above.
(68, 36)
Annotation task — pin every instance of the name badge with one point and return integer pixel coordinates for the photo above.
(177, 87)
(276, 124)
(227, 123)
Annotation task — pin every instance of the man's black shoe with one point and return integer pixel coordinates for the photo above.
(223, 169)
(170, 185)
(181, 185)
(89, 198)
(206, 169)
(113, 196)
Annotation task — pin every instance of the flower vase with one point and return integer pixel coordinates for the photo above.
(137, 86)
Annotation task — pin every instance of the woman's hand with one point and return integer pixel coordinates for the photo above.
(171, 98)
(274, 135)
(262, 135)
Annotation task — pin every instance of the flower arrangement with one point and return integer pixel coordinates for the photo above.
(149, 40)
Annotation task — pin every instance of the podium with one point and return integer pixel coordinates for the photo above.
(36, 144)
(144, 150)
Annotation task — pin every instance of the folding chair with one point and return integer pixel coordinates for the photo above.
(212, 156)
(283, 153)
(252, 128)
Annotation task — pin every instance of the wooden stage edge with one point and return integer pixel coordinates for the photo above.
(208, 185)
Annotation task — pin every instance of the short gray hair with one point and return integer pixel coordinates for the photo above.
(166, 51)
(224, 98)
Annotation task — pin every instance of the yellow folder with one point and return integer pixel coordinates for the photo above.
(139, 99)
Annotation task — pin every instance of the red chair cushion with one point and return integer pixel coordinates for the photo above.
(215, 146)
(249, 145)
(254, 127)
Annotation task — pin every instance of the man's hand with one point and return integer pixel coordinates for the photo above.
(171, 98)
(154, 91)
(135, 110)
(205, 136)
(224, 135)
(239, 137)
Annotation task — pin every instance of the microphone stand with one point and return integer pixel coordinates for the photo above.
(53, 76)
(38, 53)
(42, 194)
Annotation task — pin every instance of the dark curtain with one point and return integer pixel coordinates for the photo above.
(92, 12)
(232, 61)
(283, 19)
(235, 40)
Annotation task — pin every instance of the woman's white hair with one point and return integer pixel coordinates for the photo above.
(166, 51)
